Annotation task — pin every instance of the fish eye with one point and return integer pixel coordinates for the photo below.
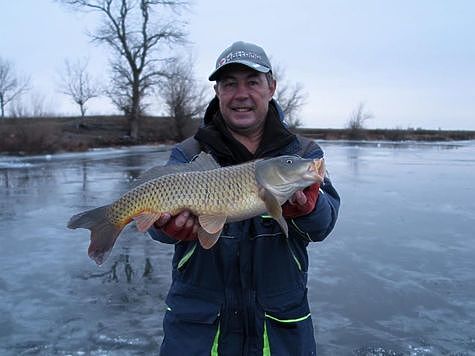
(289, 161)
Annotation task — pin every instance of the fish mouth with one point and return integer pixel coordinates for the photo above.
(316, 169)
(314, 166)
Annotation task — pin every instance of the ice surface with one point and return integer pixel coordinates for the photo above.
(395, 277)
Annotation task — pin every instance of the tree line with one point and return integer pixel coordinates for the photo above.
(142, 36)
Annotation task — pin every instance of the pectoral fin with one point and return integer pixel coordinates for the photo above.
(274, 209)
(145, 220)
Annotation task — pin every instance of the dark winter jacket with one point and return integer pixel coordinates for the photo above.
(247, 295)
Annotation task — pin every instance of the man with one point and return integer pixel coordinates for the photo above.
(247, 294)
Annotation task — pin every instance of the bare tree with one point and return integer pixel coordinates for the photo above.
(34, 104)
(76, 83)
(11, 86)
(290, 96)
(358, 118)
(128, 30)
(184, 98)
(17, 109)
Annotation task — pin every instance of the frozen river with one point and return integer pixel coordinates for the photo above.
(396, 277)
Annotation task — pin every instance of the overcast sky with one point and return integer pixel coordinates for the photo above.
(412, 62)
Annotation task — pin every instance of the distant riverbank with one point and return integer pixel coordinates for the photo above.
(58, 134)
(388, 134)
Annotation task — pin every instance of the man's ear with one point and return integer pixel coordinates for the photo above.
(272, 88)
(215, 87)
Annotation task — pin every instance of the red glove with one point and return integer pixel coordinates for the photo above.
(181, 227)
(292, 209)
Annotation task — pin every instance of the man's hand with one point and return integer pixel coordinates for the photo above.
(183, 227)
(302, 202)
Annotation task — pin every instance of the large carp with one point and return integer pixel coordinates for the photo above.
(216, 195)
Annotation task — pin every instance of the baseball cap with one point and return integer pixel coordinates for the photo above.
(244, 53)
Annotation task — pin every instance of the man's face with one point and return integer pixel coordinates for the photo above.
(244, 96)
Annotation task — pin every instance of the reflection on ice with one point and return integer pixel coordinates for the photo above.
(121, 270)
(394, 278)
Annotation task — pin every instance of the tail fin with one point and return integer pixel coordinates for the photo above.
(103, 232)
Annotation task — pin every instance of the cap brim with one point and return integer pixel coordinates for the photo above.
(260, 68)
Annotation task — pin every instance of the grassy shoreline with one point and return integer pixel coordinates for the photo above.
(26, 136)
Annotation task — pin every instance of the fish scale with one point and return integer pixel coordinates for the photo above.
(230, 189)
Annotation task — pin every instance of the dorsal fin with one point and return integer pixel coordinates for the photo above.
(203, 162)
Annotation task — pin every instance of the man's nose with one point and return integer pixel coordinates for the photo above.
(242, 91)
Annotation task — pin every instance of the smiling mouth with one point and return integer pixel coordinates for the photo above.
(246, 109)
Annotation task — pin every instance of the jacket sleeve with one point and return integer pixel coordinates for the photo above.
(320, 222)
(176, 156)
